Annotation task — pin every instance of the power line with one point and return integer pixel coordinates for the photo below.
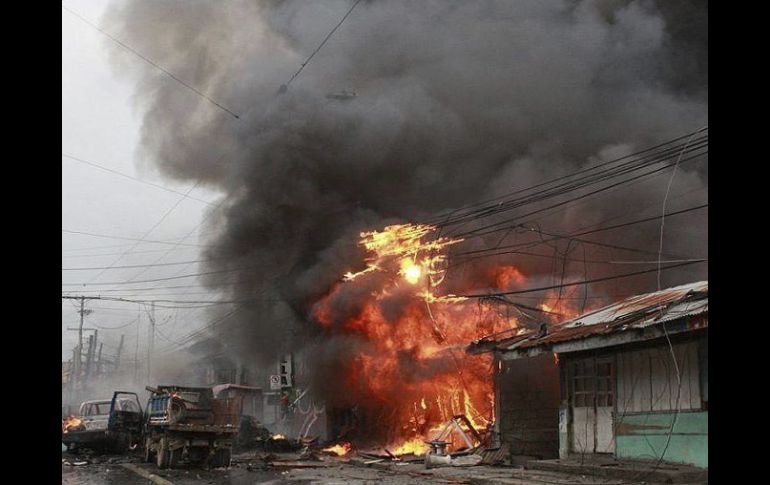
(200, 223)
(113, 171)
(99, 255)
(328, 36)
(610, 169)
(595, 280)
(149, 231)
(489, 230)
(150, 288)
(149, 61)
(153, 265)
(574, 236)
(141, 240)
(167, 278)
(550, 181)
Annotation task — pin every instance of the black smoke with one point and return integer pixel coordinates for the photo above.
(455, 102)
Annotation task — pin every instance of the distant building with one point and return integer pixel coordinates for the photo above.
(606, 383)
(287, 405)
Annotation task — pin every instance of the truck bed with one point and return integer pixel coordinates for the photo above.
(200, 428)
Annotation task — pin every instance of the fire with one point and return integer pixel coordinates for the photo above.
(407, 374)
(410, 271)
(278, 437)
(71, 423)
(563, 307)
(340, 449)
(416, 446)
(405, 243)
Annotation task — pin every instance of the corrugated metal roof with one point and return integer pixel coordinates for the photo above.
(636, 312)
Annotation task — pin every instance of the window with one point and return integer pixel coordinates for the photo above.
(583, 379)
(592, 383)
(604, 381)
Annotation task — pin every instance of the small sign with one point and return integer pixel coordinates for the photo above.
(275, 382)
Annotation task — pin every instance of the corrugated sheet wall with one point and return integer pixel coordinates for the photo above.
(647, 379)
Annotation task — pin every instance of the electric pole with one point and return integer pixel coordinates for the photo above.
(117, 355)
(151, 343)
(77, 362)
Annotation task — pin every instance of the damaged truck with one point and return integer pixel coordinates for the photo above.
(105, 425)
(189, 423)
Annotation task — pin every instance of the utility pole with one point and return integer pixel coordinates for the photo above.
(136, 349)
(117, 355)
(79, 353)
(89, 359)
(99, 361)
(77, 356)
(151, 343)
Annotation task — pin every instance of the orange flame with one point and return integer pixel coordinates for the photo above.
(405, 244)
(71, 423)
(340, 449)
(406, 330)
(278, 437)
(416, 446)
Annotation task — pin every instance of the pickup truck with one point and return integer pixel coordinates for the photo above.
(189, 423)
(107, 424)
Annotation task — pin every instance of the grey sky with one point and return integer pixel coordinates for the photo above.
(100, 124)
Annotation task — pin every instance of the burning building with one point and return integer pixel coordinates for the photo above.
(628, 380)
(364, 234)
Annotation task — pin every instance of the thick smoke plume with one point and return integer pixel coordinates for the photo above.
(456, 102)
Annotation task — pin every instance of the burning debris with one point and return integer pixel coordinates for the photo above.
(71, 423)
(340, 449)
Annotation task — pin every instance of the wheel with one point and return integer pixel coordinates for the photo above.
(197, 455)
(162, 453)
(221, 458)
(173, 457)
(147, 451)
(226, 457)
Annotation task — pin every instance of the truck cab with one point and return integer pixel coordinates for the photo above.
(105, 424)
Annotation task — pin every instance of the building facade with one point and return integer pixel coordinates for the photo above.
(629, 380)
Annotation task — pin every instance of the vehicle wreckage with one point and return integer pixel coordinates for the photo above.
(108, 424)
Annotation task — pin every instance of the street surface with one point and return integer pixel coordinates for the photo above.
(285, 469)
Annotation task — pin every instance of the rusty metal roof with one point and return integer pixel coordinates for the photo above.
(636, 312)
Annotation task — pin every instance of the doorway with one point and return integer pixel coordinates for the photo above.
(592, 399)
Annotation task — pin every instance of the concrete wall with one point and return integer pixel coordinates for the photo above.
(644, 436)
(528, 406)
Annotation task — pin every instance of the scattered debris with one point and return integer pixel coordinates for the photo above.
(308, 455)
(495, 456)
(467, 460)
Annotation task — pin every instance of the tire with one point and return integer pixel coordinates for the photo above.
(226, 457)
(174, 456)
(147, 451)
(162, 453)
(197, 455)
(221, 458)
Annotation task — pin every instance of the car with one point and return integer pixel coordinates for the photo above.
(105, 424)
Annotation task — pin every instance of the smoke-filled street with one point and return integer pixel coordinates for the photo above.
(351, 241)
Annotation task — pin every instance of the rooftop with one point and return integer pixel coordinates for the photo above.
(638, 313)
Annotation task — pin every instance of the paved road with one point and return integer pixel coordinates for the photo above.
(246, 469)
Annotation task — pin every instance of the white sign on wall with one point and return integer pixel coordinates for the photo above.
(275, 382)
